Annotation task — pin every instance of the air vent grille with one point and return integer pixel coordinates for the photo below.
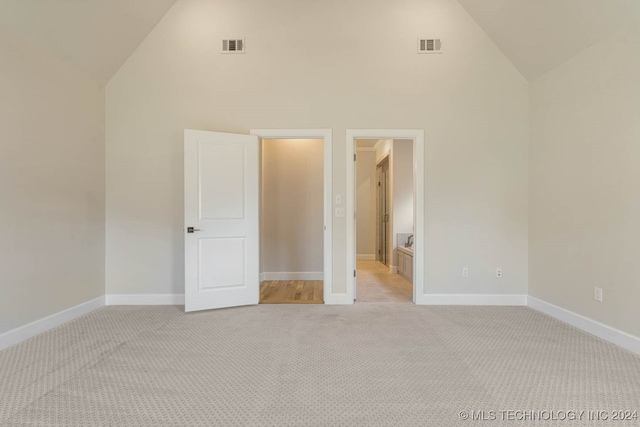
(233, 46)
(429, 46)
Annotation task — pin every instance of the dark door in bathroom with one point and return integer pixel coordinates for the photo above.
(382, 212)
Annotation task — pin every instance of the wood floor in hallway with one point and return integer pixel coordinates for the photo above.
(375, 284)
(291, 292)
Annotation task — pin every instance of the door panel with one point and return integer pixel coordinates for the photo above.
(379, 213)
(221, 207)
(221, 178)
(385, 217)
(221, 263)
(383, 237)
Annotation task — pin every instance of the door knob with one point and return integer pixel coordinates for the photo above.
(191, 229)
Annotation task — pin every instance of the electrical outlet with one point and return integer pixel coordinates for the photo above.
(465, 272)
(498, 272)
(597, 294)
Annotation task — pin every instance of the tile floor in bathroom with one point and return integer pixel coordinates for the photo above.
(376, 284)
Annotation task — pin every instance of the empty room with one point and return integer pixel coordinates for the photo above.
(142, 206)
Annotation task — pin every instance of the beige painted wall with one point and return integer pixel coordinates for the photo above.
(323, 65)
(585, 182)
(51, 185)
(292, 206)
(366, 184)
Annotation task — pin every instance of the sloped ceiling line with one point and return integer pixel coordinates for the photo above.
(539, 35)
(98, 36)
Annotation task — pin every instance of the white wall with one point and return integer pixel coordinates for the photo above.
(323, 65)
(292, 207)
(51, 185)
(366, 185)
(585, 183)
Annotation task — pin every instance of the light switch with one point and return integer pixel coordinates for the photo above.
(338, 199)
(340, 213)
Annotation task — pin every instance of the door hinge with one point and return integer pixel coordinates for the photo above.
(378, 183)
(354, 273)
(354, 157)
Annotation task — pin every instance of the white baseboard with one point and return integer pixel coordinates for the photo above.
(338, 299)
(472, 299)
(145, 299)
(600, 330)
(366, 257)
(292, 275)
(39, 326)
(421, 299)
(393, 269)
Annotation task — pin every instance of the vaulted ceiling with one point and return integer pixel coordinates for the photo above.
(97, 36)
(94, 36)
(539, 35)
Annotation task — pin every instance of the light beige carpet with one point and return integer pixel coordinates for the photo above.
(305, 365)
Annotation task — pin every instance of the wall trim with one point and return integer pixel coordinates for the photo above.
(292, 275)
(145, 299)
(366, 257)
(474, 299)
(600, 330)
(39, 326)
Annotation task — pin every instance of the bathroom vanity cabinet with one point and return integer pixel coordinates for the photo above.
(405, 263)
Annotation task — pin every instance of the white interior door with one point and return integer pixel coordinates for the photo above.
(221, 185)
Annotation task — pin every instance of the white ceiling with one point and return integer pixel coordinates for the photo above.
(95, 36)
(539, 35)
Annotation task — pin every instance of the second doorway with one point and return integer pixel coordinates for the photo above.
(384, 219)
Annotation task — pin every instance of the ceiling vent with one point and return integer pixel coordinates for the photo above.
(429, 46)
(233, 46)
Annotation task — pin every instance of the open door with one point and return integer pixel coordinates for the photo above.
(382, 212)
(221, 212)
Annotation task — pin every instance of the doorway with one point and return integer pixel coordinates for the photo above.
(404, 252)
(295, 216)
(384, 179)
(222, 216)
(291, 225)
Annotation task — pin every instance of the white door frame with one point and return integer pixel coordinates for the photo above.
(326, 135)
(417, 135)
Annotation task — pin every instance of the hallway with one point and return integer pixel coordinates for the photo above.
(375, 284)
